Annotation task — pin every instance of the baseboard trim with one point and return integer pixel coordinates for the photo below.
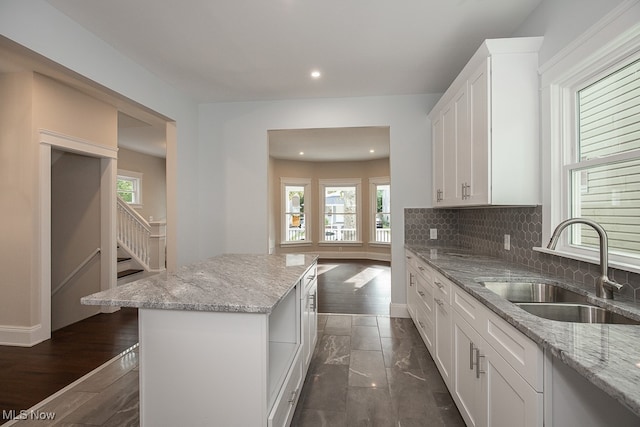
(21, 336)
(398, 310)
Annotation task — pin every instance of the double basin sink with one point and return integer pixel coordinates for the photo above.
(554, 302)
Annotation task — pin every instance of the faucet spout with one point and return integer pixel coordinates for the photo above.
(604, 285)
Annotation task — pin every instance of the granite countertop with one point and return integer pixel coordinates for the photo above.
(226, 283)
(607, 355)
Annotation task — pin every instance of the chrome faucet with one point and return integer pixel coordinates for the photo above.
(604, 285)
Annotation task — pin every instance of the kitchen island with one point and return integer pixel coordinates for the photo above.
(223, 341)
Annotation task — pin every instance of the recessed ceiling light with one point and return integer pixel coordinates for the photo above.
(315, 74)
(302, 153)
(372, 151)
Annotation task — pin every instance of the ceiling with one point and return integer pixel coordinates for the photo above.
(252, 50)
(248, 50)
(330, 144)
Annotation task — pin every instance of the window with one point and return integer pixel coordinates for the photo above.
(380, 193)
(591, 137)
(129, 187)
(340, 210)
(295, 210)
(604, 177)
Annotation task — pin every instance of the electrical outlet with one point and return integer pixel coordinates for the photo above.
(433, 233)
(507, 242)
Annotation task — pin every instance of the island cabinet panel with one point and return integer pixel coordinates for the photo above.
(202, 367)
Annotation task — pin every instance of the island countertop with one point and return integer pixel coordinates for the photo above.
(241, 283)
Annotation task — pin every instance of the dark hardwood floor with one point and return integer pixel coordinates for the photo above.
(30, 375)
(354, 287)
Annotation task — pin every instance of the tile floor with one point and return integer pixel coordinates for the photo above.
(366, 371)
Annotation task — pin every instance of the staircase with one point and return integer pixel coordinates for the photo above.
(141, 244)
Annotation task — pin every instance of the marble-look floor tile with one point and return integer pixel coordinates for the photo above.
(338, 325)
(333, 350)
(365, 338)
(365, 321)
(367, 369)
(370, 407)
(326, 388)
(412, 399)
(105, 405)
(319, 418)
(61, 406)
(448, 410)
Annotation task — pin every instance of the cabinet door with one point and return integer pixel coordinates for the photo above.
(463, 153)
(510, 400)
(476, 162)
(466, 389)
(443, 339)
(438, 161)
(311, 315)
(449, 173)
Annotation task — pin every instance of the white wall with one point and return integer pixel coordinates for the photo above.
(38, 26)
(561, 21)
(237, 132)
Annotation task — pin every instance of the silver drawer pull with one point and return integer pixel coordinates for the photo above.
(420, 268)
(421, 294)
(438, 284)
(421, 324)
(439, 302)
(478, 357)
(292, 399)
(471, 350)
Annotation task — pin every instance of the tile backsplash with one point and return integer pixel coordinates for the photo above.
(483, 229)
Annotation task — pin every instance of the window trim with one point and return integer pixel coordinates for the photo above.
(613, 41)
(308, 216)
(340, 182)
(131, 175)
(373, 208)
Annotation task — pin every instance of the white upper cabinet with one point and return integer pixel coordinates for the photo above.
(485, 129)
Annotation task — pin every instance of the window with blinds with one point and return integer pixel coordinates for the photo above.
(605, 175)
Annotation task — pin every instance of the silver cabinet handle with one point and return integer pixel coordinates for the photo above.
(292, 399)
(477, 361)
(421, 324)
(439, 302)
(313, 297)
(420, 268)
(471, 350)
(410, 279)
(438, 284)
(439, 195)
(421, 293)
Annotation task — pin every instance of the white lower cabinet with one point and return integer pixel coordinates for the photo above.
(487, 390)
(493, 371)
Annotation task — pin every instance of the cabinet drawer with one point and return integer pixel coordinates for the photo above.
(425, 327)
(442, 288)
(410, 259)
(425, 296)
(524, 355)
(424, 271)
(285, 404)
(310, 275)
(469, 308)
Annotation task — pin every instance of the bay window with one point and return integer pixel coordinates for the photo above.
(295, 208)
(380, 195)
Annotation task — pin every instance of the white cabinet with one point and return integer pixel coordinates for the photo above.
(487, 390)
(309, 315)
(493, 371)
(485, 129)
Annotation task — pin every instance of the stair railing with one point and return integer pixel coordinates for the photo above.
(74, 272)
(144, 241)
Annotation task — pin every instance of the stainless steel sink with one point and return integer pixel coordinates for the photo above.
(554, 302)
(578, 313)
(537, 292)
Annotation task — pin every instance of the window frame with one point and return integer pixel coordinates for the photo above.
(373, 209)
(341, 182)
(298, 182)
(597, 53)
(136, 177)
